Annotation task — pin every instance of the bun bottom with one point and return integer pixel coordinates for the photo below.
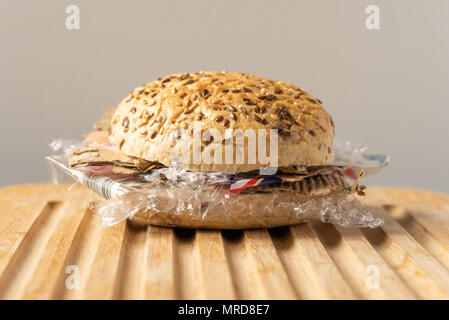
(163, 219)
(258, 210)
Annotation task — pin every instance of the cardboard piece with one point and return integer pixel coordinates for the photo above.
(308, 185)
(98, 151)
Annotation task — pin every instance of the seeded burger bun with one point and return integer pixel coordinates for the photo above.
(145, 122)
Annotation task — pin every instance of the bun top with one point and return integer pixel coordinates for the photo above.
(147, 122)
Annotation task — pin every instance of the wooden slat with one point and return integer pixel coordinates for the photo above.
(265, 266)
(246, 285)
(345, 245)
(46, 229)
(160, 281)
(29, 252)
(132, 267)
(432, 233)
(103, 271)
(431, 265)
(213, 271)
(341, 253)
(80, 255)
(320, 267)
(45, 276)
(296, 265)
(388, 285)
(185, 267)
(16, 221)
(424, 274)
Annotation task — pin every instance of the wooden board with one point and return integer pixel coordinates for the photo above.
(49, 238)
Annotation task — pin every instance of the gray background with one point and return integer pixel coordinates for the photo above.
(387, 88)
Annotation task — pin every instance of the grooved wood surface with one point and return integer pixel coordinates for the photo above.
(49, 236)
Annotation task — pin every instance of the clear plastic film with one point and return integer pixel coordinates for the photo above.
(177, 197)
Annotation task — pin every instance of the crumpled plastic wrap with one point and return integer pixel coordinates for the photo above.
(336, 208)
(176, 192)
